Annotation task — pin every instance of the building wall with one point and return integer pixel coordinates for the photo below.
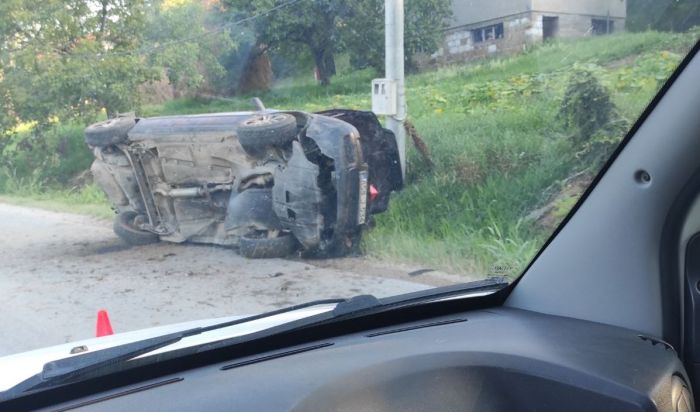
(570, 25)
(523, 24)
(460, 45)
(465, 12)
(614, 8)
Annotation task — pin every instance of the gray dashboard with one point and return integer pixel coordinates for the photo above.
(488, 360)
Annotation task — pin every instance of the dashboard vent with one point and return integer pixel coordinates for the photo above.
(414, 327)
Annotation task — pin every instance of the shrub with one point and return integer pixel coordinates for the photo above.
(591, 116)
(44, 157)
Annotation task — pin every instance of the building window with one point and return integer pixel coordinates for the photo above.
(492, 32)
(602, 26)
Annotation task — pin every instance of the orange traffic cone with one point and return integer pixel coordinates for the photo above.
(104, 328)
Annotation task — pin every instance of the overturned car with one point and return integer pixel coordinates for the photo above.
(271, 183)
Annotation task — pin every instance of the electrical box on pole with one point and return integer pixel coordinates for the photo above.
(384, 97)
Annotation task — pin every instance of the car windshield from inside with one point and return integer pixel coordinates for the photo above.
(176, 161)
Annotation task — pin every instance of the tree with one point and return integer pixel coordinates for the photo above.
(424, 24)
(329, 26)
(257, 72)
(184, 47)
(64, 62)
(312, 24)
(62, 58)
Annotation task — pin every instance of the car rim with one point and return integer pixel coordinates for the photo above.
(106, 123)
(265, 120)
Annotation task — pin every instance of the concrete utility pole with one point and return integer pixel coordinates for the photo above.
(388, 94)
(394, 31)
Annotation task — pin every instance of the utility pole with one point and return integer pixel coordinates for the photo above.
(394, 21)
(388, 94)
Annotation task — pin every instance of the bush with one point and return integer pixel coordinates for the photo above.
(589, 112)
(43, 157)
(587, 106)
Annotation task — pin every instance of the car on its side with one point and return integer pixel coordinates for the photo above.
(271, 183)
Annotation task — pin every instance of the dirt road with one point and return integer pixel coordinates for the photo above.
(58, 269)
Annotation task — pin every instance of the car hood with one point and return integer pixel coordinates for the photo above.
(21, 366)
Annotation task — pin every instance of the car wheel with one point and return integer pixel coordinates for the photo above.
(265, 130)
(125, 228)
(109, 132)
(267, 247)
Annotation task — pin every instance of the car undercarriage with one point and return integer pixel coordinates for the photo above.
(270, 183)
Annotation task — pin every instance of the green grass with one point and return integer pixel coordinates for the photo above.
(497, 144)
(88, 200)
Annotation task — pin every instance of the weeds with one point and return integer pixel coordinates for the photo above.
(89, 200)
(505, 250)
(14, 184)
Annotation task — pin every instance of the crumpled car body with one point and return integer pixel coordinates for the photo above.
(299, 181)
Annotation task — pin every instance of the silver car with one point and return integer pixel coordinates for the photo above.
(271, 183)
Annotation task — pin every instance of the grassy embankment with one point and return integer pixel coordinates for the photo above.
(499, 149)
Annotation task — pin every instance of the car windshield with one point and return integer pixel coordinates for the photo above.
(168, 161)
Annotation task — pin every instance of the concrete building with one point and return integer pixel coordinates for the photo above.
(480, 28)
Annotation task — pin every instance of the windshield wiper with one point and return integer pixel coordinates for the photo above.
(90, 364)
(75, 367)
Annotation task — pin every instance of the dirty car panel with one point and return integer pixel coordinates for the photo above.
(297, 198)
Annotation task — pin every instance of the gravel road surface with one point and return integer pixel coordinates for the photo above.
(59, 269)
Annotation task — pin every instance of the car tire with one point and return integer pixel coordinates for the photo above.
(109, 132)
(125, 229)
(265, 130)
(267, 248)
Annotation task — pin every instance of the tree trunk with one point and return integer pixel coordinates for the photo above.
(103, 19)
(257, 73)
(330, 63)
(325, 63)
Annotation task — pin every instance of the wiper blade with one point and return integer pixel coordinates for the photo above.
(73, 368)
(68, 368)
(94, 363)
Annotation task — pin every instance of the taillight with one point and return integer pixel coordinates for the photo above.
(373, 193)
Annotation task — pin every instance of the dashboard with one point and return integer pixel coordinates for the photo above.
(498, 359)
